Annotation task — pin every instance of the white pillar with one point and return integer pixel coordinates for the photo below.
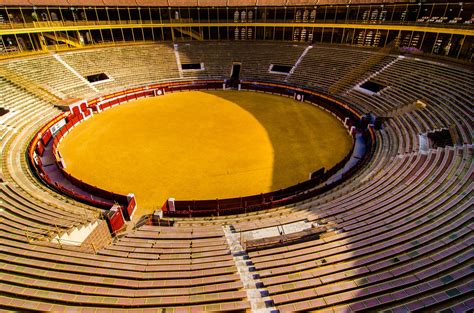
(346, 120)
(353, 130)
(171, 206)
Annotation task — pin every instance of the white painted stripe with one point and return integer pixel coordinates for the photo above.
(357, 87)
(298, 61)
(60, 60)
(178, 60)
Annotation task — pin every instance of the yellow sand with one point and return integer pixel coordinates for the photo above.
(203, 145)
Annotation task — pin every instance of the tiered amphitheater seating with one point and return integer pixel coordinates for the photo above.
(391, 235)
(218, 58)
(324, 65)
(398, 234)
(174, 269)
(126, 66)
(48, 72)
(410, 79)
(30, 211)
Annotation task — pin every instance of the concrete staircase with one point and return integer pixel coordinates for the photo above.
(189, 32)
(297, 63)
(178, 60)
(258, 296)
(356, 73)
(65, 38)
(77, 235)
(72, 70)
(366, 79)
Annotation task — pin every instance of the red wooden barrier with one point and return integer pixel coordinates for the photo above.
(115, 219)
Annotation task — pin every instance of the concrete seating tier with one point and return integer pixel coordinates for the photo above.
(49, 73)
(411, 79)
(255, 60)
(123, 281)
(26, 211)
(125, 66)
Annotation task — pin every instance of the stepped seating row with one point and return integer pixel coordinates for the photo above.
(36, 211)
(48, 72)
(198, 248)
(412, 79)
(126, 66)
(23, 213)
(124, 282)
(374, 247)
(324, 65)
(348, 200)
(16, 101)
(218, 58)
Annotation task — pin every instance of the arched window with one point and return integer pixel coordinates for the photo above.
(313, 15)
(243, 16)
(250, 16)
(368, 38)
(360, 38)
(296, 34)
(365, 16)
(243, 33)
(374, 16)
(415, 41)
(303, 34)
(377, 37)
(305, 16)
(298, 16)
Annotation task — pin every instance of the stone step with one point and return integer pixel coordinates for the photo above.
(258, 296)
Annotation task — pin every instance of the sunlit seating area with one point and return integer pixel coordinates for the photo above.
(125, 66)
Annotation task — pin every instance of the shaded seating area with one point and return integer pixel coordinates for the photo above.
(184, 274)
(284, 239)
(255, 59)
(372, 251)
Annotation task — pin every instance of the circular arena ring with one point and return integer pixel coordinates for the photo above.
(213, 178)
(393, 234)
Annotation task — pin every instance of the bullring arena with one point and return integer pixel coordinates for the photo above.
(208, 145)
(211, 156)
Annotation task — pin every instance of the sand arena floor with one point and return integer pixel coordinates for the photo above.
(203, 145)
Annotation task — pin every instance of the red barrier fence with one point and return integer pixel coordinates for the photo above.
(292, 194)
(115, 219)
(77, 113)
(81, 110)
